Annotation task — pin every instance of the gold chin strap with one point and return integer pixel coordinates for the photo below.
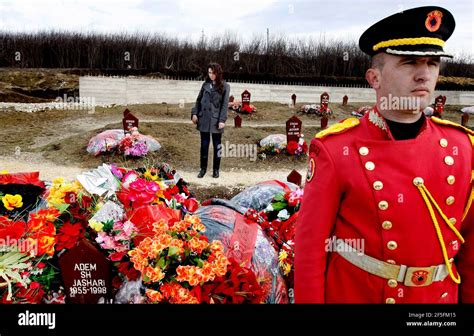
(430, 201)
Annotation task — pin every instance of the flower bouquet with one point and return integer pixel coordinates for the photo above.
(26, 250)
(278, 221)
(19, 194)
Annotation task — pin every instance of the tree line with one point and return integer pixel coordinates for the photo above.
(277, 59)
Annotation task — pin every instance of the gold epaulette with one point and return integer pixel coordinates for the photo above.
(452, 124)
(338, 128)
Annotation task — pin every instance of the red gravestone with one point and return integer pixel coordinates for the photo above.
(293, 99)
(237, 122)
(246, 98)
(324, 101)
(293, 129)
(439, 106)
(231, 99)
(324, 122)
(344, 100)
(294, 177)
(129, 121)
(464, 119)
(86, 273)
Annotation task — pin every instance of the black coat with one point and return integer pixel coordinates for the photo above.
(211, 108)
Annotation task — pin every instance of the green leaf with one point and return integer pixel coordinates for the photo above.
(279, 198)
(161, 263)
(172, 251)
(279, 206)
(108, 225)
(199, 262)
(62, 207)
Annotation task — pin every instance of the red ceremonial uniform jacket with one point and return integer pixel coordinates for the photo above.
(360, 185)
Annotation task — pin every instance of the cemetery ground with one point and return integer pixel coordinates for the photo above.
(54, 142)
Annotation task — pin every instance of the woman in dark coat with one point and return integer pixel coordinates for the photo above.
(210, 115)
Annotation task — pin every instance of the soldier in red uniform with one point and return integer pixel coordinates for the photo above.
(412, 238)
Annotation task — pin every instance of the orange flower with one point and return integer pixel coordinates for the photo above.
(46, 215)
(195, 222)
(154, 274)
(46, 245)
(160, 227)
(216, 247)
(180, 226)
(197, 245)
(153, 295)
(175, 293)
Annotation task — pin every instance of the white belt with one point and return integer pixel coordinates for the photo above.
(410, 276)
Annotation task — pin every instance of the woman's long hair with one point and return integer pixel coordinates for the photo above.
(217, 69)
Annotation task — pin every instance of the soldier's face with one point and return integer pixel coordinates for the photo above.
(410, 78)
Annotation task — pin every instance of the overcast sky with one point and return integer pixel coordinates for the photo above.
(187, 19)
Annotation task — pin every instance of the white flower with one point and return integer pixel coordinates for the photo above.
(283, 215)
(269, 208)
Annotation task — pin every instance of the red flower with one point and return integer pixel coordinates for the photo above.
(68, 235)
(291, 147)
(11, 231)
(116, 282)
(127, 269)
(32, 295)
(117, 256)
(170, 192)
(191, 204)
(239, 285)
(86, 202)
(139, 193)
(70, 197)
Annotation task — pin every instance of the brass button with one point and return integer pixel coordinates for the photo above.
(387, 225)
(390, 301)
(363, 151)
(453, 220)
(392, 283)
(443, 142)
(369, 165)
(418, 181)
(378, 185)
(383, 205)
(451, 179)
(445, 294)
(449, 160)
(451, 260)
(392, 245)
(450, 200)
(390, 261)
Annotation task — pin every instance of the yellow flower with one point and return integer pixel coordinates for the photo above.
(282, 256)
(96, 226)
(58, 180)
(150, 175)
(99, 205)
(11, 202)
(286, 268)
(2, 172)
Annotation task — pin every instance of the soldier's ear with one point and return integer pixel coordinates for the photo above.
(373, 77)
